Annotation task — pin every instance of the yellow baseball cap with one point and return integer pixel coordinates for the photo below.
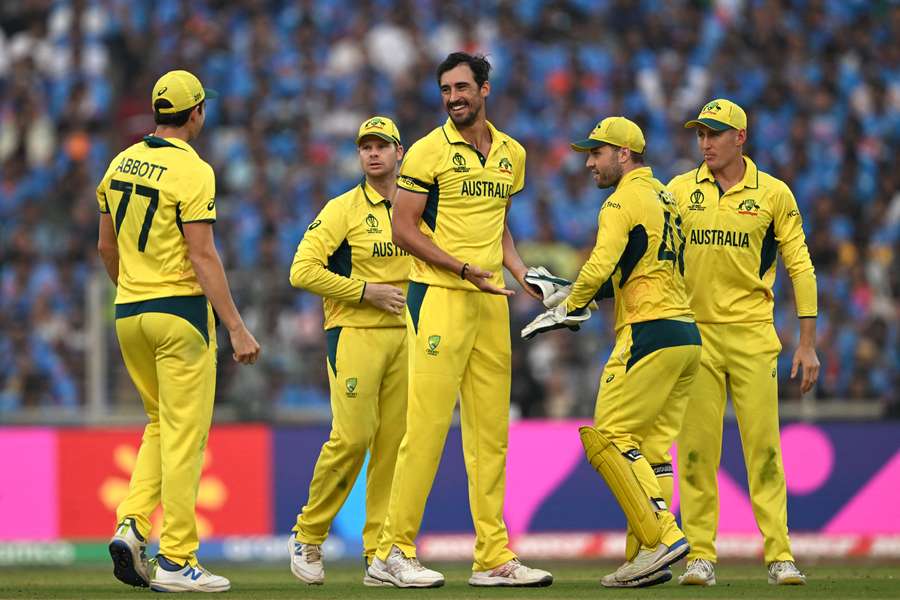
(381, 127)
(182, 89)
(719, 115)
(615, 131)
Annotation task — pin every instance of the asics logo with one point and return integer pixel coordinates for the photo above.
(162, 91)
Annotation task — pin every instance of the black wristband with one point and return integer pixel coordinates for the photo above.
(462, 272)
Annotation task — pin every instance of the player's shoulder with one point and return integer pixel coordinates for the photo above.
(683, 179)
(515, 148)
(349, 199)
(435, 138)
(771, 183)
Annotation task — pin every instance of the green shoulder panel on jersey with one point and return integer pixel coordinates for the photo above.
(768, 251)
(332, 337)
(341, 262)
(192, 309)
(650, 336)
(634, 250)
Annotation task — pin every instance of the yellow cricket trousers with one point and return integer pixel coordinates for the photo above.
(742, 358)
(367, 374)
(641, 403)
(459, 346)
(169, 347)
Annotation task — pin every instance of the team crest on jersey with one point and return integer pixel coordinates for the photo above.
(697, 198)
(505, 166)
(459, 163)
(351, 387)
(372, 224)
(748, 207)
(433, 342)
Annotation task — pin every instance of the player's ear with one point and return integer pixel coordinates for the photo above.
(485, 89)
(399, 151)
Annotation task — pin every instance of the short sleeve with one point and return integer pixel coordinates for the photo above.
(418, 173)
(519, 172)
(199, 203)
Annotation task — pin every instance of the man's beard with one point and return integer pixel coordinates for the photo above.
(467, 119)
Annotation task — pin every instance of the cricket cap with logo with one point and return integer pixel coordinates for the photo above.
(182, 90)
(719, 115)
(614, 131)
(381, 127)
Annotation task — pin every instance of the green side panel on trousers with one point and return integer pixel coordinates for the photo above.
(650, 336)
(190, 308)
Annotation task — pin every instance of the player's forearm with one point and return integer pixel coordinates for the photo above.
(312, 276)
(419, 245)
(211, 275)
(808, 333)
(511, 259)
(805, 293)
(110, 258)
(595, 272)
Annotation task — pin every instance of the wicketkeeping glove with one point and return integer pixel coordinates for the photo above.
(553, 289)
(556, 318)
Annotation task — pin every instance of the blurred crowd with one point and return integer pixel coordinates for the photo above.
(819, 79)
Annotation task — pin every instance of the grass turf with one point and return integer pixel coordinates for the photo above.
(572, 580)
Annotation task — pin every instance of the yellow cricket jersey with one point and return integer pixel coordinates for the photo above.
(732, 238)
(346, 246)
(467, 197)
(150, 189)
(638, 256)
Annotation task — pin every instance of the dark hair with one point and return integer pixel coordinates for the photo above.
(478, 63)
(637, 157)
(176, 119)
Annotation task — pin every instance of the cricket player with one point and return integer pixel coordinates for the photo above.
(455, 189)
(638, 259)
(157, 206)
(735, 218)
(347, 256)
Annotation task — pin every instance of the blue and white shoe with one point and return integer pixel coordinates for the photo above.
(306, 561)
(168, 576)
(651, 561)
(128, 551)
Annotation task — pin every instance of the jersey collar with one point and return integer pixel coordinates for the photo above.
(453, 136)
(169, 142)
(750, 180)
(639, 173)
(370, 193)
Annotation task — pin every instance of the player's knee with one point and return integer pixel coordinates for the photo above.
(356, 444)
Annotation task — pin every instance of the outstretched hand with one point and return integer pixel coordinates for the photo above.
(482, 280)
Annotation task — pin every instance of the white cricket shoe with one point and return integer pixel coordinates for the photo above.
(186, 579)
(512, 573)
(306, 561)
(129, 554)
(370, 581)
(699, 572)
(655, 578)
(649, 561)
(785, 572)
(403, 572)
